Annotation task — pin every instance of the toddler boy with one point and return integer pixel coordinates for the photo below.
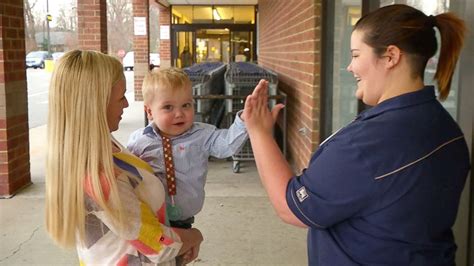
(176, 147)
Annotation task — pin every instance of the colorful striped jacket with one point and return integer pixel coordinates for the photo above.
(145, 240)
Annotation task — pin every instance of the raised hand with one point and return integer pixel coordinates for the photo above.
(256, 115)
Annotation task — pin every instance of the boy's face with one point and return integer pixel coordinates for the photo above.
(172, 111)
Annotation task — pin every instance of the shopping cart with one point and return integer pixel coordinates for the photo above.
(279, 132)
(240, 80)
(208, 79)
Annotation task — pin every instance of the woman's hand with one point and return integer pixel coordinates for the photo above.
(256, 115)
(191, 254)
(190, 238)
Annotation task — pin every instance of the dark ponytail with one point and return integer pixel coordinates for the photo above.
(452, 30)
(413, 32)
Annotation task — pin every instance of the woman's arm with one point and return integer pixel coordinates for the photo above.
(272, 166)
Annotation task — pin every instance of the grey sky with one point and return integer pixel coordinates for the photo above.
(54, 7)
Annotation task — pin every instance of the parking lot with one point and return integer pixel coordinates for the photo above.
(38, 85)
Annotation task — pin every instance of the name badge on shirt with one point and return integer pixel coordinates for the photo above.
(301, 194)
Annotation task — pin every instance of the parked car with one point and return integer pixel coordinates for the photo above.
(36, 59)
(128, 61)
(57, 55)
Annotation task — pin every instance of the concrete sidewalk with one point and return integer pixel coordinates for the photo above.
(238, 222)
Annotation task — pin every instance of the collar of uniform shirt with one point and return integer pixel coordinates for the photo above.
(408, 99)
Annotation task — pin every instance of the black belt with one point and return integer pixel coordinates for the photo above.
(185, 224)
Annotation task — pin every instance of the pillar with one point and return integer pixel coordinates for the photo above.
(165, 44)
(141, 44)
(14, 131)
(92, 25)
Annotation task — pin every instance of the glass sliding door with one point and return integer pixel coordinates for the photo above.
(212, 45)
(241, 46)
(183, 49)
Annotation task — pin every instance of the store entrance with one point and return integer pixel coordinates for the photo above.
(212, 45)
(183, 54)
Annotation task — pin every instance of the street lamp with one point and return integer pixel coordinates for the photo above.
(48, 19)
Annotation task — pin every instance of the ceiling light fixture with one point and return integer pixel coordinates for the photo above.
(216, 14)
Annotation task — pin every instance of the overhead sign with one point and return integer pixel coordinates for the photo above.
(139, 25)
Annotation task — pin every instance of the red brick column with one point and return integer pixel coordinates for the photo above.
(92, 24)
(14, 142)
(141, 46)
(290, 44)
(165, 45)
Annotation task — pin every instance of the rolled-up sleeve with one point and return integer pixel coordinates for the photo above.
(336, 185)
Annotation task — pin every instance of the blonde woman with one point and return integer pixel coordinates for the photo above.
(99, 197)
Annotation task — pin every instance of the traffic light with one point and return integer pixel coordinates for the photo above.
(49, 17)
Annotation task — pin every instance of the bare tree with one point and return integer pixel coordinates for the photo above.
(66, 23)
(62, 21)
(154, 16)
(30, 29)
(119, 25)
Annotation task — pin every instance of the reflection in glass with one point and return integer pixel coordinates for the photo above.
(212, 45)
(241, 42)
(344, 103)
(184, 48)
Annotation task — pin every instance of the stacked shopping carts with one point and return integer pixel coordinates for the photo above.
(240, 81)
(208, 79)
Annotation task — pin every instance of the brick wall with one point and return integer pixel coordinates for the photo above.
(14, 137)
(141, 48)
(92, 24)
(289, 44)
(165, 45)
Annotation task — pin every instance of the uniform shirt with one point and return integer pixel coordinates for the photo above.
(385, 189)
(145, 239)
(191, 151)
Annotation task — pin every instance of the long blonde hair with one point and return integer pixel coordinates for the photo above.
(79, 143)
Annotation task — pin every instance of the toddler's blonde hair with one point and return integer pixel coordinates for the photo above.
(163, 79)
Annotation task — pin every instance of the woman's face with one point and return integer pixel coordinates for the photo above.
(116, 105)
(367, 69)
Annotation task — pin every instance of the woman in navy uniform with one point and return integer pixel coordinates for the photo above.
(385, 189)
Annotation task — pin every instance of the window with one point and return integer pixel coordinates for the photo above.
(213, 14)
(340, 103)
